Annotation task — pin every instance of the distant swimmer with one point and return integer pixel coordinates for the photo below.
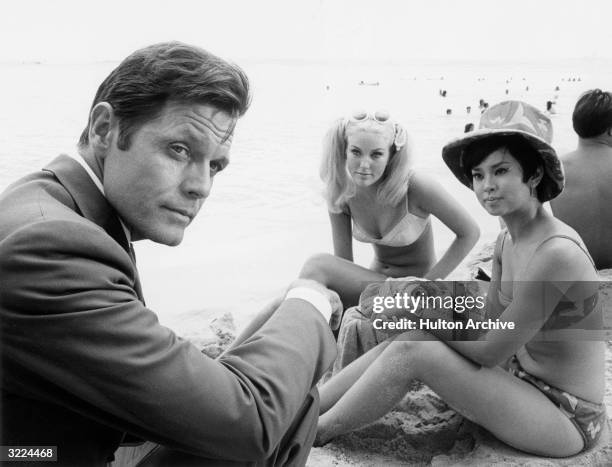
(449, 111)
(550, 107)
(468, 109)
(468, 127)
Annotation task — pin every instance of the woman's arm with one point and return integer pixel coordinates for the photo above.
(496, 264)
(493, 308)
(341, 234)
(431, 198)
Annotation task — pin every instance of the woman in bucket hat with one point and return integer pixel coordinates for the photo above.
(539, 386)
(517, 121)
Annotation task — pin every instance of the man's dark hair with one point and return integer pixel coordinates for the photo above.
(142, 84)
(593, 113)
(526, 155)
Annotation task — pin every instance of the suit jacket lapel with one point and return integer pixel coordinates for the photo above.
(91, 203)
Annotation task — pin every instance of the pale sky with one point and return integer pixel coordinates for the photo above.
(82, 31)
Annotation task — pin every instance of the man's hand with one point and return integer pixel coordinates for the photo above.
(332, 297)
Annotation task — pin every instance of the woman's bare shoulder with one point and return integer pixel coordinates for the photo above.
(423, 189)
(420, 181)
(562, 256)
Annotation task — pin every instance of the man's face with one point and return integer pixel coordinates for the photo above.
(159, 184)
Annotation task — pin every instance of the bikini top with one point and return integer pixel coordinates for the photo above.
(408, 229)
(567, 311)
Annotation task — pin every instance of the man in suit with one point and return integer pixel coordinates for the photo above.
(85, 365)
(585, 201)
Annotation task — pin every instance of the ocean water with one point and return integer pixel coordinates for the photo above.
(266, 216)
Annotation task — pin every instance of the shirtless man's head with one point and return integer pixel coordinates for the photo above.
(592, 115)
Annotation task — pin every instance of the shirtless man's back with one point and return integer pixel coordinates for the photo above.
(585, 201)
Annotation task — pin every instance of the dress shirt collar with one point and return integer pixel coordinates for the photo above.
(78, 158)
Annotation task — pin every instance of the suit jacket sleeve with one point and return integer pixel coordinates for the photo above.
(75, 321)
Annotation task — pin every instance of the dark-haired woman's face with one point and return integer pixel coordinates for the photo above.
(498, 183)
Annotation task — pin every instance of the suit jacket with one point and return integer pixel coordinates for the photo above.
(84, 361)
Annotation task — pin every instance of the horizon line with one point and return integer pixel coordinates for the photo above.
(328, 60)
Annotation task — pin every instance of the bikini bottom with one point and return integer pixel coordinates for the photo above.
(587, 416)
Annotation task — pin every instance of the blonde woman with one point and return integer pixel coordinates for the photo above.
(374, 195)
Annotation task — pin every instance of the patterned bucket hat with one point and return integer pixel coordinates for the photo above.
(512, 118)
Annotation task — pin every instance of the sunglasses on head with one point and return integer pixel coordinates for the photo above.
(380, 116)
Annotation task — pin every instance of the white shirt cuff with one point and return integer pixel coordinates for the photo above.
(314, 297)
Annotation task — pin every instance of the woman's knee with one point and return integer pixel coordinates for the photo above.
(318, 267)
(416, 338)
(415, 347)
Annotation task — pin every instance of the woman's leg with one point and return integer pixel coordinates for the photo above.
(345, 277)
(391, 270)
(336, 387)
(513, 410)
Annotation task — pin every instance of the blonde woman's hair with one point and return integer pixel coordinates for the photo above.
(339, 186)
